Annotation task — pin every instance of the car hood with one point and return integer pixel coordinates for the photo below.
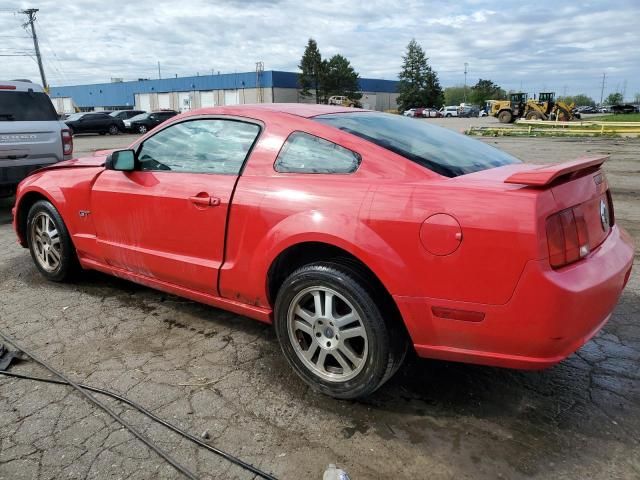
(85, 162)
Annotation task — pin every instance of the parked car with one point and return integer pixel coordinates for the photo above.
(94, 122)
(449, 111)
(146, 121)
(411, 112)
(356, 234)
(626, 108)
(431, 113)
(469, 111)
(126, 114)
(31, 135)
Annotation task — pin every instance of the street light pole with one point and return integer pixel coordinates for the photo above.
(465, 81)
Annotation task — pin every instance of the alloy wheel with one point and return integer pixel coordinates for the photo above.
(327, 334)
(46, 242)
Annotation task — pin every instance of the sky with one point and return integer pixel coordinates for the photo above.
(561, 46)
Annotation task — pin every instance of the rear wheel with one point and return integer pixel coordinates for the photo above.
(534, 116)
(505, 116)
(49, 242)
(334, 334)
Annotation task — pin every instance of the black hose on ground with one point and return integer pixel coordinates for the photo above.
(82, 390)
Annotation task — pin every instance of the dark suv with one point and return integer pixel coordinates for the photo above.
(94, 122)
(31, 135)
(125, 114)
(146, 121)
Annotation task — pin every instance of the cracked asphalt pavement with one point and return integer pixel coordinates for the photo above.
(207, 370)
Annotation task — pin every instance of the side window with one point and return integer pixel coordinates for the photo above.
(199, 146)
(305, 153)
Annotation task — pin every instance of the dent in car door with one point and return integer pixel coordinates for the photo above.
(167, 219)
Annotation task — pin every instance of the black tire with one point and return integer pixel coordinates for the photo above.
(114, 130)
(533, 116)
(102, 133)
(142, 129)
(386, 340)
(505, 116)
(448, 115)
(68, 263)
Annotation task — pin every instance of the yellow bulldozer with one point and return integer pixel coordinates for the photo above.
(544, 108)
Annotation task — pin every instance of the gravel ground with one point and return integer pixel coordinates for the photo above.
(208, 370)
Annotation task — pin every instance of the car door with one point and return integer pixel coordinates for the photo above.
(166, 220)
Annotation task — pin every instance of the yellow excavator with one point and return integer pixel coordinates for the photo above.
(520, 106)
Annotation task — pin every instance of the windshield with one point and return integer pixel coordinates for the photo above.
(142, 116)
(115, 114)
(26, 107)
(438, 149)
(76, 116)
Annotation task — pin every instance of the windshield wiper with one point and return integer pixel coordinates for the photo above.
(8, 116)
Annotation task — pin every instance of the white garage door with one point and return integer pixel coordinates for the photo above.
(164, 101)
(207, 99)
(67, 105)
(231, 97)
(184, 101)
(144, 102)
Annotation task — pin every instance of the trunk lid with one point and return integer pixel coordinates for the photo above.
(579, 185)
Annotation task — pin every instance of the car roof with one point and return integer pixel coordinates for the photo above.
(21, 86)
(306, 110)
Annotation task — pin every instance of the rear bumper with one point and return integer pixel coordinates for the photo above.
(551, 314)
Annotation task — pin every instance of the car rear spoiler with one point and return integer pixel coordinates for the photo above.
(547, 174)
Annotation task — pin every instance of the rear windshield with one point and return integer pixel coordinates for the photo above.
(26, 107)
(441, 150)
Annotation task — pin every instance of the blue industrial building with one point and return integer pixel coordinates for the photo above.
(205, 90)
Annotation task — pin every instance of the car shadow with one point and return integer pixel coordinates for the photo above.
(6, 204)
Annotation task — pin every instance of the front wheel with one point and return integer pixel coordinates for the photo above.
(49, 242)
(114, 130)
(334, 334)
(505, 116)
(142, 129)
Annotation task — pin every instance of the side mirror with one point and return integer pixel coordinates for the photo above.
(121, 160)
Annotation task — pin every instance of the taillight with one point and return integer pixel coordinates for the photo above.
(567, 237)
(67, 142)
(612, 219)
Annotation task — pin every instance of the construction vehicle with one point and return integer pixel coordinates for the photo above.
(520, 106)
(547, 108)
(508, 111)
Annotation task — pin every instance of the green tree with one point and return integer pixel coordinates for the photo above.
(419, 85)
(579, 100)
(311, 68)
(614, 99)
(454, 95)
(486, 90)
(338, 77)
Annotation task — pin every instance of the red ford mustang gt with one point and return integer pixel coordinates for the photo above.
(356, 233)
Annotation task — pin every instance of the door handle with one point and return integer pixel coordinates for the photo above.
(205, 201)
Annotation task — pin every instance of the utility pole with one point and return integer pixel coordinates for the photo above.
(604, 75)
(159, 75)
(465, 81)
(31, 15)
